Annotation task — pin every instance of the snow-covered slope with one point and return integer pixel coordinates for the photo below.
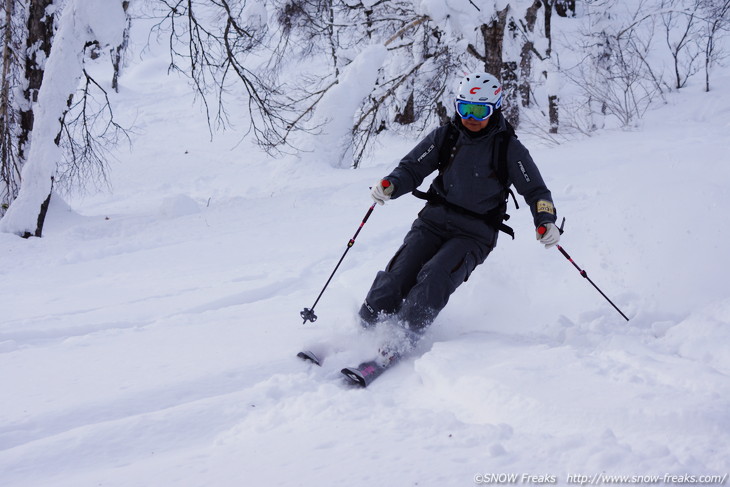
(149, 338)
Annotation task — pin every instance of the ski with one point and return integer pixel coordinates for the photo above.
(310, 356)
(364, 374)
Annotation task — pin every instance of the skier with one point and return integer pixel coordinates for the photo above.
(458, 227)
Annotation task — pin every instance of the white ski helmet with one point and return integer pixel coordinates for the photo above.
(480, 87)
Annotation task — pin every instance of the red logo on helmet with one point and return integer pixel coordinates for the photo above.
(473, 91)
(498, 90)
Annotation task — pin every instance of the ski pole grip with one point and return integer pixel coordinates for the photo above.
(383, 183)
(542, 229)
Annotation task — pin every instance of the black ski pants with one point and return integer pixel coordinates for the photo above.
(418, 281)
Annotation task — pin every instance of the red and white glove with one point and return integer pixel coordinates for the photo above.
(381, 191)
(548, 234)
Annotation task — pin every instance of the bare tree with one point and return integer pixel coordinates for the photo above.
(508, 48)
(118, 51)
(490, 53)
(613, 71)
(9, 115)
(27, 30)
(210, 42)
(717, 21)
(410, 91)
(38, 44)
(681, 29)
(527, 52)
(87, 134)
(564, 8)
(310, 28)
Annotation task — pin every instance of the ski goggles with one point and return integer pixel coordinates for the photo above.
(475, 110)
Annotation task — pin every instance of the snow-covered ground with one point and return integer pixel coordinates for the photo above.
(149, 338)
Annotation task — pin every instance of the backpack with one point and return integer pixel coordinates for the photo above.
(496, 217)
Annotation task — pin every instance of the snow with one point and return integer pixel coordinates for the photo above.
(337, 111)
(457, 16)
(150, 337)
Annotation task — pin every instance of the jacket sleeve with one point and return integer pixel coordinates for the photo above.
(421, 161)
(528, 182)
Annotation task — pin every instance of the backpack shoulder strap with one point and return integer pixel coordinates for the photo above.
(501, 152)
(447, 148)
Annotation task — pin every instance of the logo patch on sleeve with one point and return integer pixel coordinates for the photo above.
(545, 206)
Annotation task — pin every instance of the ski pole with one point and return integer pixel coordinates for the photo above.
(307, 314)
(542, 229)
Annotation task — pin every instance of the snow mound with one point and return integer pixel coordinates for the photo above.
(703, 336)
(178, 205)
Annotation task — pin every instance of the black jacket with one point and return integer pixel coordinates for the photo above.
(470, 180)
